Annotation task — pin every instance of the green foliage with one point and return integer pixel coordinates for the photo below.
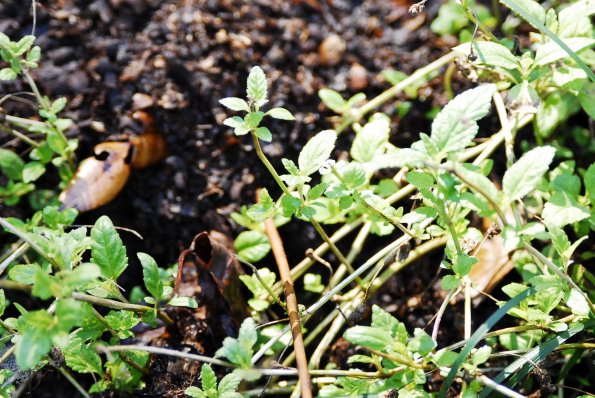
(239, 351)
(227, 386)
(259, 302)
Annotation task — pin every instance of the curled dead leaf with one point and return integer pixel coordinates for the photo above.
(98, 179)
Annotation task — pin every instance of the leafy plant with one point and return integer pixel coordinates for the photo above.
(227, 387)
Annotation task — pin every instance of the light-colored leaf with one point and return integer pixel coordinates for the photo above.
(562, 209)
(490, 53)
(316, 152)
(455, 126)
(551, 51)
(523, 176)
(280, 113)
(332, 99)
(235, 104)
(257, 86)
(372, 139)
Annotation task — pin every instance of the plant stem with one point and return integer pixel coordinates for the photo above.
(123, 355)
(285, 190)
(334, 248)
(23, 236)
(396, 89)
(441, 310)
(72, 380)
(292, 306)
(6, 354)
(499, 387)
(268, 164)
(20, 136)
(165, 351)
(13, 256)
(120, 306)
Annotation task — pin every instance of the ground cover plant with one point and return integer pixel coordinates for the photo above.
(495, 199)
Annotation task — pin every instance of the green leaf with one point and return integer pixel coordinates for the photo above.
(229, 384)
(420, 180)
(463, 264)
(11, 164)
(235, 104)
(252, 246)
(490, 53)
(316, 152)
(2, 302)
(264, 209)
(290, 204)
(421, 343)
(562, 209)
(374, 338)
(354, 175)
(524, 174)
(551, 52)
(182, 301)
(455, 126)
(345, 202)
(445, 358)
(31, 346)
(58, 105)
(34, 55)
(24, 273)
(32, 171)
(234, 122)
(585, 97)
(257, 86)
(589, 180)
(533, 13)
(312, 283)
(24, 44)
(253, 119)
(122, 321)
(239, 351)
(382, 320)
(529, 8)
(332, 99)
(195, 392)
(264, 134)
(577, 303)
(450, 282)
(209, 380)
(84, 360)
(151, 275)
(481, 355)
(371, 139)
(107, 249)
(316, 191)
(280, 113)
(7, 74)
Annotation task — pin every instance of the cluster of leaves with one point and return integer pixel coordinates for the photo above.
(54, 148)
(536, 86)
(451, 191)
(71, 323)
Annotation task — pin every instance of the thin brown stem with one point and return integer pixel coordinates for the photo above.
(292, 306)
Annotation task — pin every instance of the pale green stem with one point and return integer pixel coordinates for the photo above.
(20, 136)
(25, 237)
(120, 306)
(358, 114)
(13, 256)
(72, 381)
(486, 381)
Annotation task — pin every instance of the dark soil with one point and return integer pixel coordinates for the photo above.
(185, 55)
